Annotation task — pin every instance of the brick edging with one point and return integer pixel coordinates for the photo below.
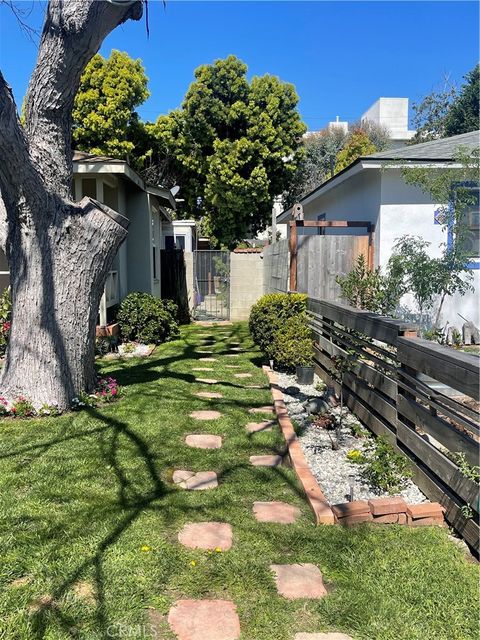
(317, 501)
(389, 510)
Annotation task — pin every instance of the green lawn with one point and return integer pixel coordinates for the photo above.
(82, 494)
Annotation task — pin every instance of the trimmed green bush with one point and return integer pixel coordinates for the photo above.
(292, 344)
(270, 313)
(144, 318)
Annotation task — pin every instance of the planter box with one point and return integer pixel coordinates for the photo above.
(107, 330)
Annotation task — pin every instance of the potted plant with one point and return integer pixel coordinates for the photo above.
(304, 370)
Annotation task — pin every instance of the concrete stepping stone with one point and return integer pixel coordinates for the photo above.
(231, 355)
(202, 369)
(266, 461)
(209, 394)
(255, 427)
(206, 380)
(204, 620)
(279, 512)
(203, 441)
(322, 636)
(205, 351)
(195, 481)
(236, 349)
(206, 535)
(205, 415)
(299, 581)
(233, 366)
(207, 359)
(242, 375)
(255, 386)
(265, 409)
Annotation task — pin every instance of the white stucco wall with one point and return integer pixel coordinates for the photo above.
(396, 209)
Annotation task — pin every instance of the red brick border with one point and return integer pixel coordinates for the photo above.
(389, 510)
(318, 502)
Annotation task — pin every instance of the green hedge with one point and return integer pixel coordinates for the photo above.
(292, 344)
(144, 318)
(270, 314)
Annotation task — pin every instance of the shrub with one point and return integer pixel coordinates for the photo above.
(292, 344)
(144, 318)
(270, 313)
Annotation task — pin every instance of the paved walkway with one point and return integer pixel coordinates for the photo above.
(209, 619)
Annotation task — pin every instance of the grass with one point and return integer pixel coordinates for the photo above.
(80, 496)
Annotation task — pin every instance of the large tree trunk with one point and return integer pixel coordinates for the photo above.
(57, 280)
(59, 252)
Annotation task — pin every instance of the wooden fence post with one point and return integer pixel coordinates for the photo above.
(293, 242)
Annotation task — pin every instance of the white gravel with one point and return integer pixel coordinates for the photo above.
(333, 471)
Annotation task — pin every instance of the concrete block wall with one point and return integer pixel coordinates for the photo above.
(246, 283)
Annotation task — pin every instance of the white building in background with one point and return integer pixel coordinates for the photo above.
(341, 125)
(391, 113)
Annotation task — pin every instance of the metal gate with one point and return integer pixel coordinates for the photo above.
(211, 277)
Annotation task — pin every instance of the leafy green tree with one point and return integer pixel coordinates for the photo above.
(104, 117)
(431, 112)
(463, 114)
(232, 146)
(315, 164)
(358, 144)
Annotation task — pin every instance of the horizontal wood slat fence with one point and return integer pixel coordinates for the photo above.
(422, 396)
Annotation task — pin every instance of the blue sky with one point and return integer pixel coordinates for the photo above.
(341, 56)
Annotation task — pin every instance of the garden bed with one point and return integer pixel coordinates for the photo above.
(331, 468)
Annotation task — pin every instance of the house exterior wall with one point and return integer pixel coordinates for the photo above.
(139, 245)
(397, 209)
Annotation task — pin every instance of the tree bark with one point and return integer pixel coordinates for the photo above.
(59, 252)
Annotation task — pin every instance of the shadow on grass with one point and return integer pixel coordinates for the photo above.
(134, 497)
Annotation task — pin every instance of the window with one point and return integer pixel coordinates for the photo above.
(470, 219)
(321, 217)
(180, 242)
(154, 258)
(169, 243)
(89, 187)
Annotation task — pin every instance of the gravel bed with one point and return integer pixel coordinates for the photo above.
(333, 471)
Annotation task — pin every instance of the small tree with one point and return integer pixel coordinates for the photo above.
(434, 279)
(358, 144)
(463, 115)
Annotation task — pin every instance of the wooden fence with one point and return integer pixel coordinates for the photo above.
(275, 267)
(423, 397)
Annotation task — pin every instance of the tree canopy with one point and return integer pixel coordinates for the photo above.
(463, 115)
(232, 146)
(448, 112)
(104, 117)
(358, 144)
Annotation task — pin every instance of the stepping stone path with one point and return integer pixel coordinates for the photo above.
(299, 581)
(206, 535)
(255, 427)
(204, 620)
(242, 375)
(266, 461)
(207, 360)
(195, 481)
(202, 369)
(206, 380)
(265, 409)
(279, 512)
(203, 441)
(322, 636)
(209, 394)
(205, 415)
